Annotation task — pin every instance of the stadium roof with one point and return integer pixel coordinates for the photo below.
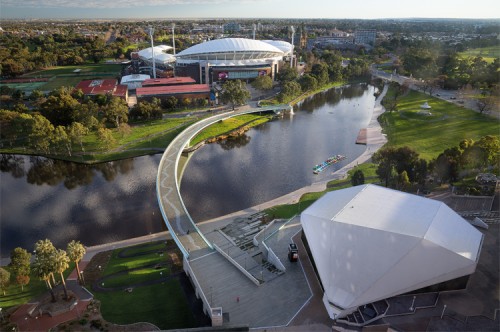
(284, 46)
(370, 243)
(230, 49)
(159, 53)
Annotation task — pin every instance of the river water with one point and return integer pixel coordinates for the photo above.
(44, 198)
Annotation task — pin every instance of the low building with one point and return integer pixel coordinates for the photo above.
(134, 81)
(370, 243)
(103, 87)
(191, 91)
(168, 81)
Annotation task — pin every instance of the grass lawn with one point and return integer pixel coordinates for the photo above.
(287, 211)
(145, 138)
(84, 69)
(162, 304)
(15, 296)
(228, 125)
(65, 75)
(489, 54)
(431, 135)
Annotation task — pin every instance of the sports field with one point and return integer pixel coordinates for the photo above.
(489, 54)
(66, 76)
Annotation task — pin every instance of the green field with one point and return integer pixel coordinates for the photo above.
(287, 211)
(163, 304)
(85, 69)
(431, 135)
(489, 54)
(66, 76)
(15, 296)
(228, 125)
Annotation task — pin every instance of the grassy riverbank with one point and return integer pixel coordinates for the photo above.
(430, 135)
(227, 126)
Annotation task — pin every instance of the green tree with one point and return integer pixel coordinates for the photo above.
(41, 133)
(4, 279)
(287, 74)
(403, 180)
(61, 139)
(308, 82)
(60, 108)
(76, 251)
(106, 136)
(234, 93)
(358, 178)
(20, 260)
(320, 72)
(115, 112)
(76, 133)
(61, 263)
(289, 90)
(43, 266)
(263, 82)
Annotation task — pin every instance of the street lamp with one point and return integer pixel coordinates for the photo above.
(412, 303)
(82, 278)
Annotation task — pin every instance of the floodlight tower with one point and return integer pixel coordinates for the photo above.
(293, 37)
(151, 33)
(173, 36)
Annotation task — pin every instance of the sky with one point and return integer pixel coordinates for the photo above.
(178, 9)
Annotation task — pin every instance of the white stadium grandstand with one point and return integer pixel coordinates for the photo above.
(161, 58)
(371, 243)
(230, 58)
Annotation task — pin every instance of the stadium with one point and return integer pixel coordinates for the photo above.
(231, 58)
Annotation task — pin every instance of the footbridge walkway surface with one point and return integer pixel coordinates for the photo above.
(180, 224)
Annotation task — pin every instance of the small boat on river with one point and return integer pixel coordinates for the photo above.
(330, 161)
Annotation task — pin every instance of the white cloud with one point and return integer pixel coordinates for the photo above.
(103, 4)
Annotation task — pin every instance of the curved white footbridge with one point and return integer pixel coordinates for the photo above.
(234, 286)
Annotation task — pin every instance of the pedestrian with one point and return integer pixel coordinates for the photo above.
(238, 299)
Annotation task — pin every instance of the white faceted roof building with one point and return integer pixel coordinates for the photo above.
(160, 56)
(370, 243)
(239, 51)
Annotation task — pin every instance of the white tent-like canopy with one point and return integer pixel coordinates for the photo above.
(159, 53)
(370, 243)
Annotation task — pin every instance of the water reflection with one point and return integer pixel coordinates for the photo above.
(42, 197)
(278, 156)
(45, 198)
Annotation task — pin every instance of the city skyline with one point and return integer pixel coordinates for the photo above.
(182, 9)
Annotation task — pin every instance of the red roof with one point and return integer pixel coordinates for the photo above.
(173, 89)
(95, 87)
(102, 87)
(121, 91)
(168, 81)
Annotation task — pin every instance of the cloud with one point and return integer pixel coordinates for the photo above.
(103, 4)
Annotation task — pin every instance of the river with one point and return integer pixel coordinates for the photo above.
(44, 198)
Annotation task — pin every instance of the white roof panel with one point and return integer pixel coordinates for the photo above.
(229, 45)
(370, 243)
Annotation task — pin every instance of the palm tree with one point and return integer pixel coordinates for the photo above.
(61, 263)
(76, 251)
(44, 249)
(41, 268)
